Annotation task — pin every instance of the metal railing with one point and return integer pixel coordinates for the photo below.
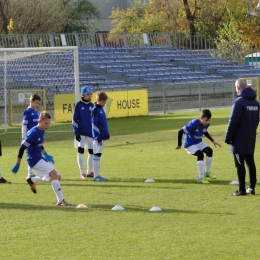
(181, 41)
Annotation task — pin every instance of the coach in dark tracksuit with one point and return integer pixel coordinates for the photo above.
(241, 135)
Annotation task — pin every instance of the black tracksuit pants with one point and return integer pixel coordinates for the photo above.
(240, 160)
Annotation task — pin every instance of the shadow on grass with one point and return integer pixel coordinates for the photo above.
(108, 185)
(137, 208)
(142, 181)
(90, 180)
(133, 183)
(193, 181)
(22, 206)
(103, 207)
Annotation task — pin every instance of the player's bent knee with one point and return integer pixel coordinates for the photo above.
(81, 150)
(208, 151)
(200, 155)
(59, 176)
(54, 175)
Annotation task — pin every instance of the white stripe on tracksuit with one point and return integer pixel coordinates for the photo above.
(237, 157)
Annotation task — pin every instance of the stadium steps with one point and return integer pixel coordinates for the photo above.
(155, 65)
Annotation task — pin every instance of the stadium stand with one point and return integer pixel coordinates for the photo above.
(113, 68)
(156, 64)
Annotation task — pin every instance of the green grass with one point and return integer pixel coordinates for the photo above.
(197, 221)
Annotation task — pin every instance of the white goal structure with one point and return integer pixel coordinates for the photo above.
(50, 72)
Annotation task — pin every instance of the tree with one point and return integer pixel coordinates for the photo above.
(78, 14)
(4, 16)
(191, 16)
(238, 25)
(210, 16)
(46, 16)
(130, 20)
(164, 16)
(236, 21)
(154, 16)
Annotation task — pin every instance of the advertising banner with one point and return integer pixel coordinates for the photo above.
(119, 104)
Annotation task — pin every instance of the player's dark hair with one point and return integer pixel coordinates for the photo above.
(35, 97)
(205, 113)
(44, 115)
(101, 95)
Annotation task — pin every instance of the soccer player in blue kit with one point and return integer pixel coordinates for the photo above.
(30, 119)
(100, 133)
(33, 145)
(193, 144)
(82, 127)
(31, 114)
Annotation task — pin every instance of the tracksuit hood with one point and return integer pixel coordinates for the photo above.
(247, 93)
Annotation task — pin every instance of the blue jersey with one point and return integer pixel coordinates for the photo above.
(30, 118)
(194, 132)
(33, 144)
(99, 124)
(81, 121)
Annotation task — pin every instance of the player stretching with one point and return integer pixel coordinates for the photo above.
(33, 145)
(82, 126)
(30, 119)
(193, 144)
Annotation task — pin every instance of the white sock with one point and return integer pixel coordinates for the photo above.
(90, 163)
(96, 164)
(37, 179)
(80, 160)
(57, 190)
(208, 163)
(200, 165)
(0, 175)
(30, 171)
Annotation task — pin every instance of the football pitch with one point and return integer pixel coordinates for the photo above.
(197, 221)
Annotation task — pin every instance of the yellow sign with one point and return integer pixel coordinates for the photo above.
(119, 104)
